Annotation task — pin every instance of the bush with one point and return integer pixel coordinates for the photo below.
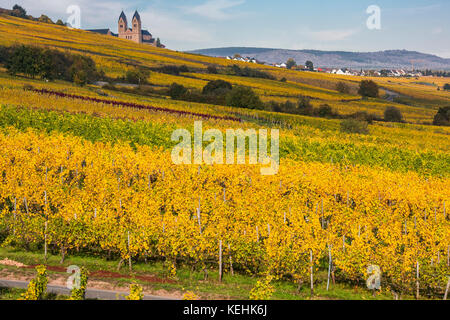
(325, 111)
(49, 64)
(368, 88)
(243, 97)
(342, 87)
(393, 114)
(45, 19)
(263, 290)
(173, 70)
(135, 292)
(442, 117)
(304, 105)
(177, 91)
(217, 87)
(190, 296)
(212, 70)
(283, 79)
(447, 86)
(137, 76)
(38, 286)
(354, 126)
(364, 116)
(248, 72)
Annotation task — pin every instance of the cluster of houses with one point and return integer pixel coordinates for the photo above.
(361, 73)
(242, 59)
(338, 71)
(372, 73)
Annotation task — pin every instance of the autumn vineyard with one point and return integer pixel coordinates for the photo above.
(86, 171)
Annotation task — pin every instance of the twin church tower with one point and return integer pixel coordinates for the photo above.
(131, 32)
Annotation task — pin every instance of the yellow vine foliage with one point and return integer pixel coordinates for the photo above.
(110, 197)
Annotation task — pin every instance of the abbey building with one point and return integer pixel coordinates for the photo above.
(132, 32)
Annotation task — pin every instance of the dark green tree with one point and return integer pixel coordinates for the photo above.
(393, 114)
(290, 63)
(309, 65)
(244, 97)
(217, 87)
(177, 91)
(18, 11)
(442, 117)
(137, 76)
(368, 88)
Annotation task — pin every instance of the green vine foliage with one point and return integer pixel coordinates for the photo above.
(80, 293)
(38, 286)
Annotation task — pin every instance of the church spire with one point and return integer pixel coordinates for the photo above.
(137, 16)
(123, 17)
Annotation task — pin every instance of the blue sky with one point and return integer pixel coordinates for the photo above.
(420, 25)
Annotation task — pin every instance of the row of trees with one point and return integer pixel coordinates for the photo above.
(49, 64)
(309, 65)
(20, 12)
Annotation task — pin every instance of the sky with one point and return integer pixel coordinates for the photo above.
(417, 25)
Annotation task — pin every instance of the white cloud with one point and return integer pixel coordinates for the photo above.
(215, 9)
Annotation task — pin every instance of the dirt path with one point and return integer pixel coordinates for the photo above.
(21, 273)
(91, 293)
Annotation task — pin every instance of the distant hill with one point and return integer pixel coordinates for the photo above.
(391, 59)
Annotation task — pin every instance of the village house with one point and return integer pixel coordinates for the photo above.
(134, 33)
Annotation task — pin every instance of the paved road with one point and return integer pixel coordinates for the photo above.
(90, 293)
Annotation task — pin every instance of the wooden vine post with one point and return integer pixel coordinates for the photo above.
(220, 260)
(417, 281)
(312, 270)
(329, 267)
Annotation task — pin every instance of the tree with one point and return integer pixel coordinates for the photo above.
(342, 87)
(243, 97)
(309, 65)
(26, 60)
(45, 19)
(442, 117)
(217, 87)
(158, 42)
(325, 111)
(447, 86)
(18, 11)
(137, 76)
(368, 88)
(83, 69)
(290, 63)
(60, 22)
(177, 91)
(393, 114)
(304, 106)
(212, 69)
